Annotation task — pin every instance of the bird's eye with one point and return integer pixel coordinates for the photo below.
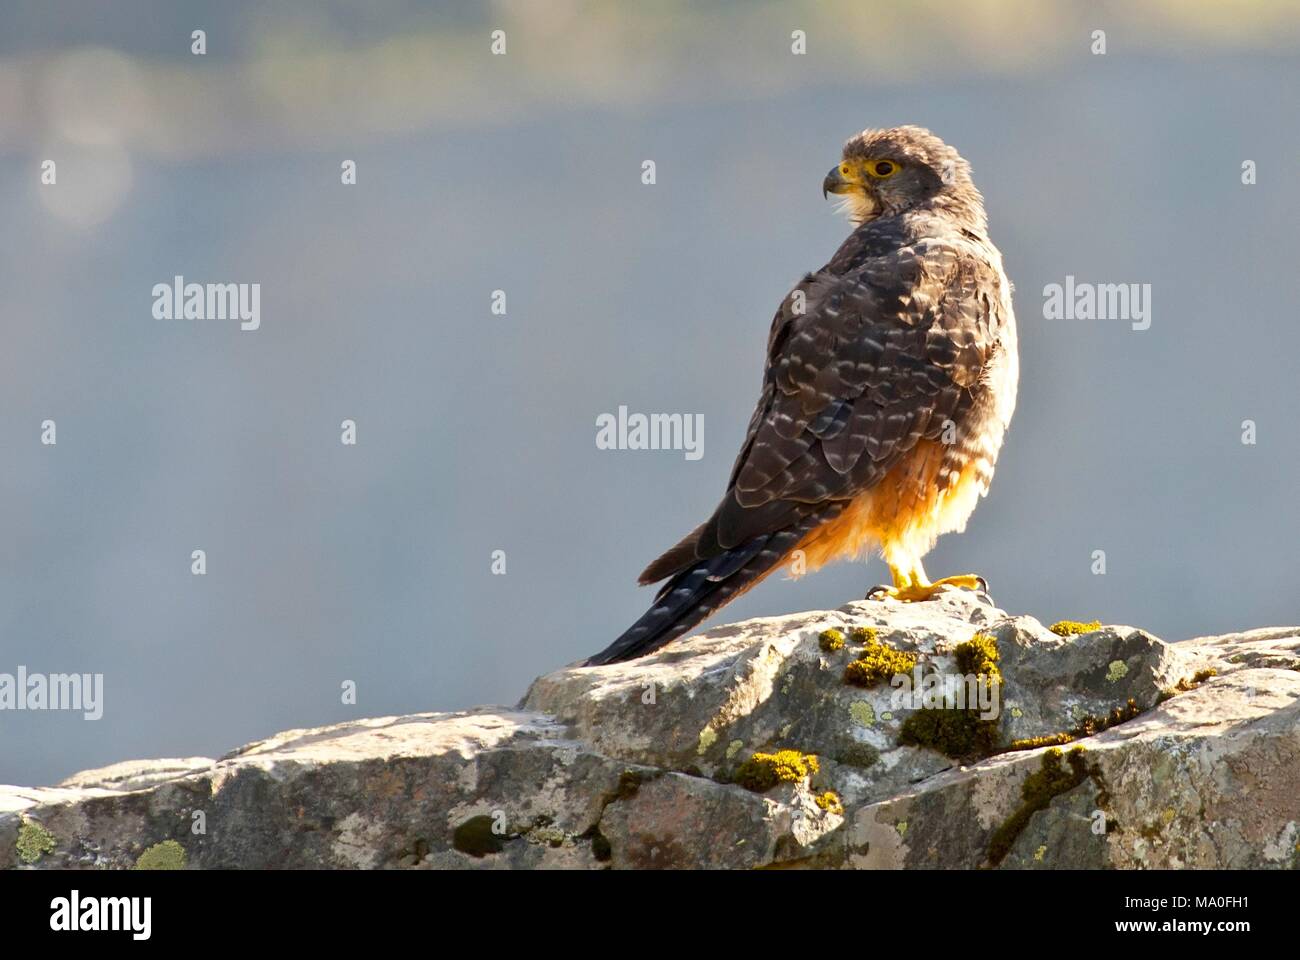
(883, 168)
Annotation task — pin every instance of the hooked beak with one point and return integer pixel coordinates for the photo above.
(835, 182)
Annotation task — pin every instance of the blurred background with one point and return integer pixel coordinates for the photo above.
(372, 563)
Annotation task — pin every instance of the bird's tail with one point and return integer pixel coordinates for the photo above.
(695, 592)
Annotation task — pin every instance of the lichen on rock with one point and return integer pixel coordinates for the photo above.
(168, 855)
(33, 841)
(1039, 789)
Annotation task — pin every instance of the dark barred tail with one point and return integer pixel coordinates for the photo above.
(693, 594)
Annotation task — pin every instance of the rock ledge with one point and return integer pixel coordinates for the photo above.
(631, 765)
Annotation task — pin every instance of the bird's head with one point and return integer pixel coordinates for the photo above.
(887, 172)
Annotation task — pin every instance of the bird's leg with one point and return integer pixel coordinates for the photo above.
(903, 583)
(911, 584)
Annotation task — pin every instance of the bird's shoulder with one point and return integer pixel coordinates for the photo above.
(937, 291)
(915, 254)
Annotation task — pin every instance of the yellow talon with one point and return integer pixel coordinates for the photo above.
(914, 586)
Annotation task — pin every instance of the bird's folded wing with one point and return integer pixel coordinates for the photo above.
(866, 357)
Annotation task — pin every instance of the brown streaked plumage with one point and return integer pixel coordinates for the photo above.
(890, 381)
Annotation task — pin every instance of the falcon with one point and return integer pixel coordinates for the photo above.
(889, 384)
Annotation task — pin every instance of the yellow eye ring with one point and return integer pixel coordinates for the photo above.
(882, 169)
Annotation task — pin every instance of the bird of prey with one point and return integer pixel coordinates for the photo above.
(890, 381)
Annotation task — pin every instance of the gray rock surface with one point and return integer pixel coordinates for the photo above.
(632, 765)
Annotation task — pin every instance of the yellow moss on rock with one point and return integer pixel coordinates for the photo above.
(831, 640)
(1198, 678)
(1087, 726)
(979, 656)
(830, 802)
(877, 662)
(863, 635)
(1187, 684)
(1070, 628)
(763, 771)
(1047, 740)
